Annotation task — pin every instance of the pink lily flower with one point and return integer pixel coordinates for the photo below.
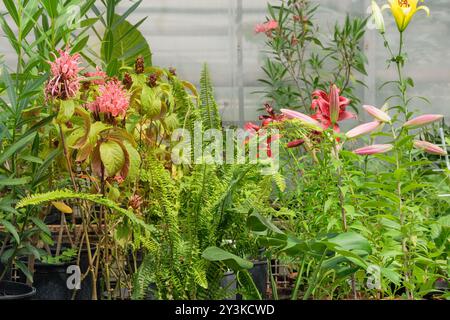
(374, 149)
(423, 120)
(429, 148)
(377, 113)
(363, 129)
(330, 109)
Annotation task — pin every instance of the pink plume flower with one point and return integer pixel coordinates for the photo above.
(373, 149)
(363, 129)
(99, 74)
(429, 148)
(422, 121)
(64, 82)
(266, 27)
(378, 114)
(113, 99)
(291, 114)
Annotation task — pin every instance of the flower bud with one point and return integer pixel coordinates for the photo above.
(422, 121)
(374, 149)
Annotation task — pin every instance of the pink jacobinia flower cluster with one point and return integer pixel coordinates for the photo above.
(113, 99)
(266, 27)
(98, 74)
(64, 82)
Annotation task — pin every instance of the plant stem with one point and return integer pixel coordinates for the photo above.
(402, 86)
(402, 217)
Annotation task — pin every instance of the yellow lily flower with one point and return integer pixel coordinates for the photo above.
(404, 10)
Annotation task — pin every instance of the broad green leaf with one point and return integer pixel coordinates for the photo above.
(257, 223)
(351, 241)
(112, 157)
(66, 110)
(230, 260)
(125, 43)
(135, 161)
(151, 104)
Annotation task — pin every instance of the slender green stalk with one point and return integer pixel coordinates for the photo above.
(298, 282)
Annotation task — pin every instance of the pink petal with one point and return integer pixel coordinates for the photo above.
(300, 116)
(429, 148)
(377, 113)
(374, 149)
(344, 102)
(423, 120)
(320, 94)
(345, 115)
(363, 129)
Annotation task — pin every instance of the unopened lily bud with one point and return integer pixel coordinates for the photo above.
(378, 114)
(291, 114)
(422, 121)
(363, 129)
(334, 104)
(429, 148)
(374, 149)
(377, 17)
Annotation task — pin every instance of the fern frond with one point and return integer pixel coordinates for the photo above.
(210, 112)
(279, 181)
(199, 273)
(39, 198)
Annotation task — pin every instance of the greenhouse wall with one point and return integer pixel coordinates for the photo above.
(186, 34)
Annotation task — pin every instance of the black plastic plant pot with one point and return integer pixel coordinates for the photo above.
(259, 275)
(228, 282)
(85, 292)
(53, 218)
(50, 281)
(16, 291)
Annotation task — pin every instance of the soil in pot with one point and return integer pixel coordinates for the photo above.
(15, 291)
